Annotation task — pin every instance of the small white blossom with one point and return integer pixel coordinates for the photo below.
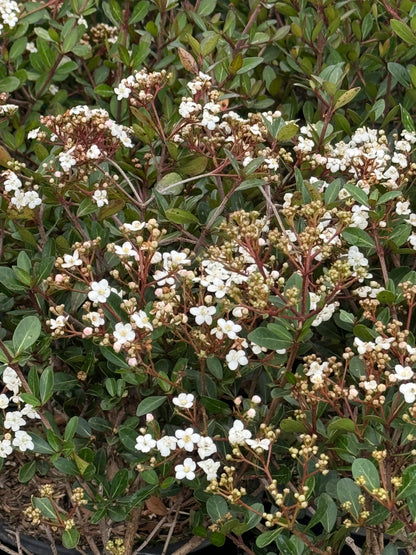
(123, 333)
(141, 320)
(403, 372)
(185, 470)
(100, 197)
(71, 260)
(184, 400)
(187, 438)
(23, 441)
(93, 152)
(5, 448)
(145, 443)
(100, 291)
(236, 358)
(409, 392)
(206, 447)
(210, 467)
(14, 421)
(166, 445)
(259, 443)
(203, 314)
(238, 435)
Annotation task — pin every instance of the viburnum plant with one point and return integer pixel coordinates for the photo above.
(207, 278)
(254, 381)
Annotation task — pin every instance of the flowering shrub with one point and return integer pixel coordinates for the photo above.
(207, 276)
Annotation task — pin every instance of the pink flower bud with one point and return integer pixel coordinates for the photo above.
(256, 399)
(237, 401)
(149, 417)
(117, 347)
(251, 413)
(87, 332)
(132, 361)
(59, 278)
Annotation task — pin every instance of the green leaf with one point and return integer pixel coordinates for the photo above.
(403, 31)
(287, 132)
(170, 184)
(9, 84)
(215, 367)
(326, 512)
(292, 426)
(358, 237)
(27, 471)
(399, 73)
(115, 358)
(249, 63)
(408, 487)
(150, 404)
(364, 467)
(217, 507)
(264, 337)
(26, 333)
(344, 424)
(268, 537)
(150, 476)
(113, 207)
(70, 538)
(349, 492)
(139, 12)
(46, 384)
(215, 406)
(357, 193)
(105, 91)
(346, 97)
(71, 428)
(119, 483)
(45, 507)
(182, 217)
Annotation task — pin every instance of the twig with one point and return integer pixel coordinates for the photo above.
(150, 536)
(189, 546)
(171, 529)
(7, 550)
(51, 540)
(352, 545)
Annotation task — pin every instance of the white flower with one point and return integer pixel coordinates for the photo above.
(238, 435)
(4, 401)
(370, 385)
(409, 392)
(122, 91)
(203, 314)
(141, 319)
(185, 470)
(30, 412)
(134, 226)
(403, 372)
(11, 380)
(12, 183)
(71, 260)
(356, 259)
(14, 421)
(206, 447)
(100, 197)
(125, 250)
(23, 441)
(166, 445)
(100, 291)
(316, 371)
(5, 448)
(93, 152)
(145, 443)
(95, 319)
(66, 160)
(227, 327)
(235, 358)
(402, 208)
(53, 89)
(210, 467)
(187, 107)
(187, 438)
(123, 333)
(58, 323)
(30, 47)
(184, 400)
(259, 443)
(412, 240)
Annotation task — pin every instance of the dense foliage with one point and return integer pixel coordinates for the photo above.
(207, 276)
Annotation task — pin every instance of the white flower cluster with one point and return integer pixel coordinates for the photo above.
(367, 157)
(187, 440)
(8, 109)
(144, 84)
(18, 197)
(9, 11)
(14, 420)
